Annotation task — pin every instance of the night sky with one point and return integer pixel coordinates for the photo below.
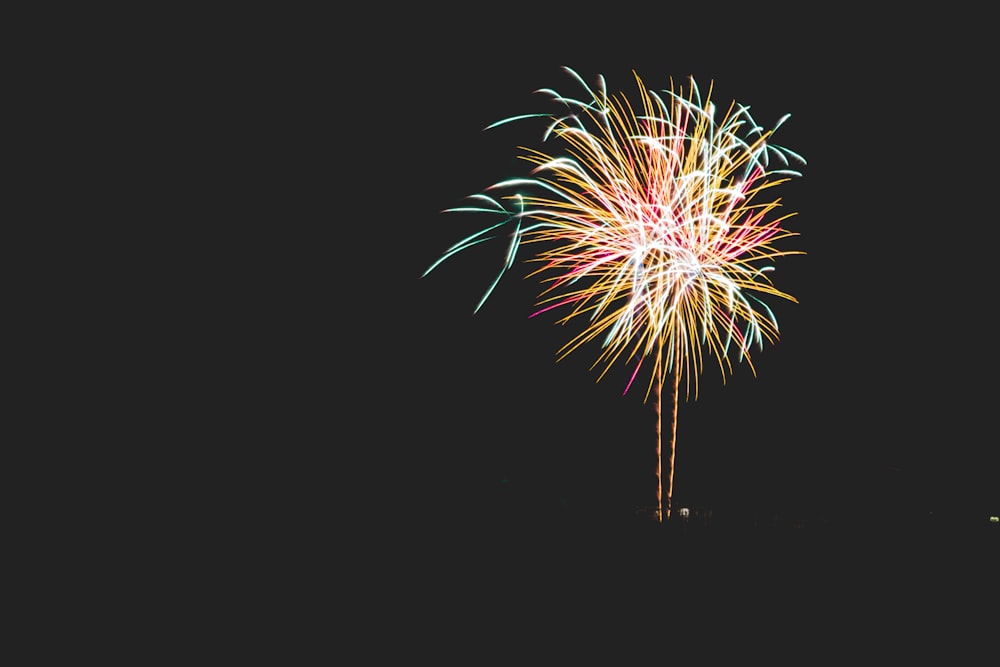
(877, 400)
(348, 406)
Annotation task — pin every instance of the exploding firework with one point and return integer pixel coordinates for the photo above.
(653, 227)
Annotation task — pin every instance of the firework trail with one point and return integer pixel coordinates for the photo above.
(653, 227)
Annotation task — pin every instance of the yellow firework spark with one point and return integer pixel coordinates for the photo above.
(653, 226)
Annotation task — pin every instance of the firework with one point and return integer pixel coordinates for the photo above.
(653, 227)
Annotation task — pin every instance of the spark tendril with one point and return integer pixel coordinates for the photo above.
(653, 227)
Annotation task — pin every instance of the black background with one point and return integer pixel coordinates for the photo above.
(360, 410)
(875, 401)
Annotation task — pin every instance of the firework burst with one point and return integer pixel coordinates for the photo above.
(653, 227)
